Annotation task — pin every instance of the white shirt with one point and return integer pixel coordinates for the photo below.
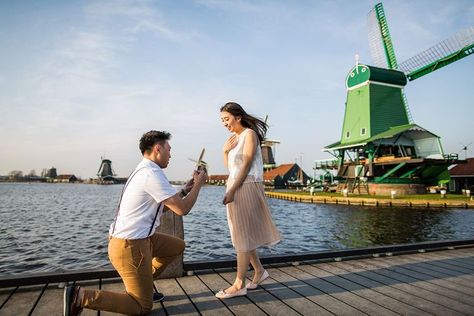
(144, 191)
(235, 160)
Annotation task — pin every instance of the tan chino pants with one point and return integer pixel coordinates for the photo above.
(138, 262)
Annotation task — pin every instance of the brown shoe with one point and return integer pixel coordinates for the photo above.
(71, 294)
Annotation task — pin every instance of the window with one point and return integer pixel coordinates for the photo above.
(362, 131)
(348, 134)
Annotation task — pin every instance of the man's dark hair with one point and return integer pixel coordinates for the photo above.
(151, 138)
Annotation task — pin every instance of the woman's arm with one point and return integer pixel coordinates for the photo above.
(249, 150)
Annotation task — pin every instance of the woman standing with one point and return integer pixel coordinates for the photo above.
(248, 214)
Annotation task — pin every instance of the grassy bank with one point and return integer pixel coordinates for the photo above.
(416, 200)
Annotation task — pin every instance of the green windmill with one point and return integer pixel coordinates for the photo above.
(380, 144)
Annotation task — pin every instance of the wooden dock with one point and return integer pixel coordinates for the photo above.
(371, 201)
(425, 283)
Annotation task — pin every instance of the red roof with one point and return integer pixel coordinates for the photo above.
(218, 177)
(464, 169)
(281, 170)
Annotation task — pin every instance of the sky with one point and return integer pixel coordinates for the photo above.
(81, 80)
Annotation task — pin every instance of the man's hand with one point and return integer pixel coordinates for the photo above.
(200, 177)
(189, 185)
(181, 206)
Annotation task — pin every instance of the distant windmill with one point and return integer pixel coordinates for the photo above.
(105, 172)
(465, 148)
(267, 151)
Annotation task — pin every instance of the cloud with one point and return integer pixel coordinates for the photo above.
(80, 75)
(123, 8)
(137, 17)
(232, 5)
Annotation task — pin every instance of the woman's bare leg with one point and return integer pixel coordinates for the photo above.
(257, 266)
(243, 259)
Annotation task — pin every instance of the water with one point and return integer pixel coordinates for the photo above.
(53, 227)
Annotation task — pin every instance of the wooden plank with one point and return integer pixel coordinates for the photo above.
(202, 297)
(361, 275)
(467, 253)
(321, 302)
(240, 305)
(415, 263)
(5, 294)
(291, 293)
(428, 282)
(445, 260)
(464, 252)
(436, 277)
(424, 301)
(176, 301)
(273, 297)
(22, 301)
(426, 290)
(454, 259)
(51, 302)
(302, 283)
(367, 289)
(346, 290)
(457, 275)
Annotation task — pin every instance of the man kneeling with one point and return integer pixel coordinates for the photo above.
(137, 252)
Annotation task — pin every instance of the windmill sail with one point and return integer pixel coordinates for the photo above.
(381, 47)
(442, 54)
(380, 42)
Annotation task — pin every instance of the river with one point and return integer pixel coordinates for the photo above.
(57, 227)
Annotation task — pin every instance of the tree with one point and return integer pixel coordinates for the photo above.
(15, 174)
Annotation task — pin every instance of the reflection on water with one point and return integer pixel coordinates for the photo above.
(51, 227)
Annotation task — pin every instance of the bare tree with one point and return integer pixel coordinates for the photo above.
(15, 174)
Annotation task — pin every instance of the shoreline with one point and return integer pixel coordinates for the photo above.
(374, 201)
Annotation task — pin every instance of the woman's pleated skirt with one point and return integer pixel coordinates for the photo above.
(249, 217)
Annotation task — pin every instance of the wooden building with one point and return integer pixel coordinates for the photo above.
(65, 178)
(284, 176)
(462, 176)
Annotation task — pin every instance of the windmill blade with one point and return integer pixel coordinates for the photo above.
(380, 42)
(199, 162)
(464, 147)
(442, 54)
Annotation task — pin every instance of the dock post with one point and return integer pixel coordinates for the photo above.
(172, 224)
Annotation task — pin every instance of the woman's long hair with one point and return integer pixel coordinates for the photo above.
(247, 120)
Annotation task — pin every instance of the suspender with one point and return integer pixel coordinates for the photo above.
(120, 201)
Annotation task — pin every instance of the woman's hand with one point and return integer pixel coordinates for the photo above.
(228, 197)
(230, 144)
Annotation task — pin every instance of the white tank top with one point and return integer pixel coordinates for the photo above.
(235, 161)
